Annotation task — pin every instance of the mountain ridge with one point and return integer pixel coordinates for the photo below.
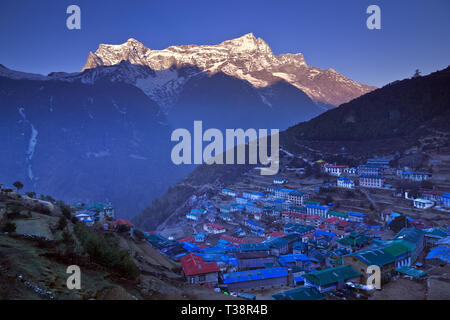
(247, 58)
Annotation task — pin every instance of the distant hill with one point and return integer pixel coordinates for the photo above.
(115, 266)
(403, 108)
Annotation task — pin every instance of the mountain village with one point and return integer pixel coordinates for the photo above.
(275, 236)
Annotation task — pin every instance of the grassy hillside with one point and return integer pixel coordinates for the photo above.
(34, 259)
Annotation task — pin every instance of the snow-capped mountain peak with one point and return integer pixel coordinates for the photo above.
(247, 58)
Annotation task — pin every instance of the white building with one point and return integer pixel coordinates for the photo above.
(334, 169)
(371, 181)
(85, 218)
(415, 176)
(229, 192)
(423, 204)
(279, 181)
(345, 183)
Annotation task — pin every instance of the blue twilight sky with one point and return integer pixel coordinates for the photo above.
(414, 34)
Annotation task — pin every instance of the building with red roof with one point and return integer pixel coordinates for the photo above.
(276, 234)
(330, 223)
(187, 239)
(122, 222)
(335, 170)
(197, 271)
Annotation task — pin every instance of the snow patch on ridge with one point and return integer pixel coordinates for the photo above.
(31, 144)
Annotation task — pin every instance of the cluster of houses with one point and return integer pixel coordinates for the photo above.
(313, 248)
(91, 213)
(426, 199)
(314, 265)
(369, 175)
(281, 239)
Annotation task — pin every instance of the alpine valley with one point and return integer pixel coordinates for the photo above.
(103, 134)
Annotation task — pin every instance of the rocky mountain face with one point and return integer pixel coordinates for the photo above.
(246, 58)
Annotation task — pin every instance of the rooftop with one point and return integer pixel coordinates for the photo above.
(377, 257)
(331, 275)
(302, 293)
(251, 275)
(194, 264)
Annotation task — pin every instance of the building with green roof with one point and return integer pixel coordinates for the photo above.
(401, 250)
(341, 215)
(361, 260)
(331, 279)
(301, 293)
(353, 241)
(278, 246)
(412, 272)
(311, 202)
(414, 236)
(298, 228)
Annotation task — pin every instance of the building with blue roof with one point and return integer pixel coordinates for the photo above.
(356, 216)
(200, 237)
(440, 254)
(445, 199)
(228, 192)
(291, 260)
(253, 195)
(444, 241)
(345, 183)
(190, 246)
(256, 279)
(254, 247)
(280, 193)
(192, 216)
(388, 216)
(322, 233)
(253, 208)
(254, 227)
